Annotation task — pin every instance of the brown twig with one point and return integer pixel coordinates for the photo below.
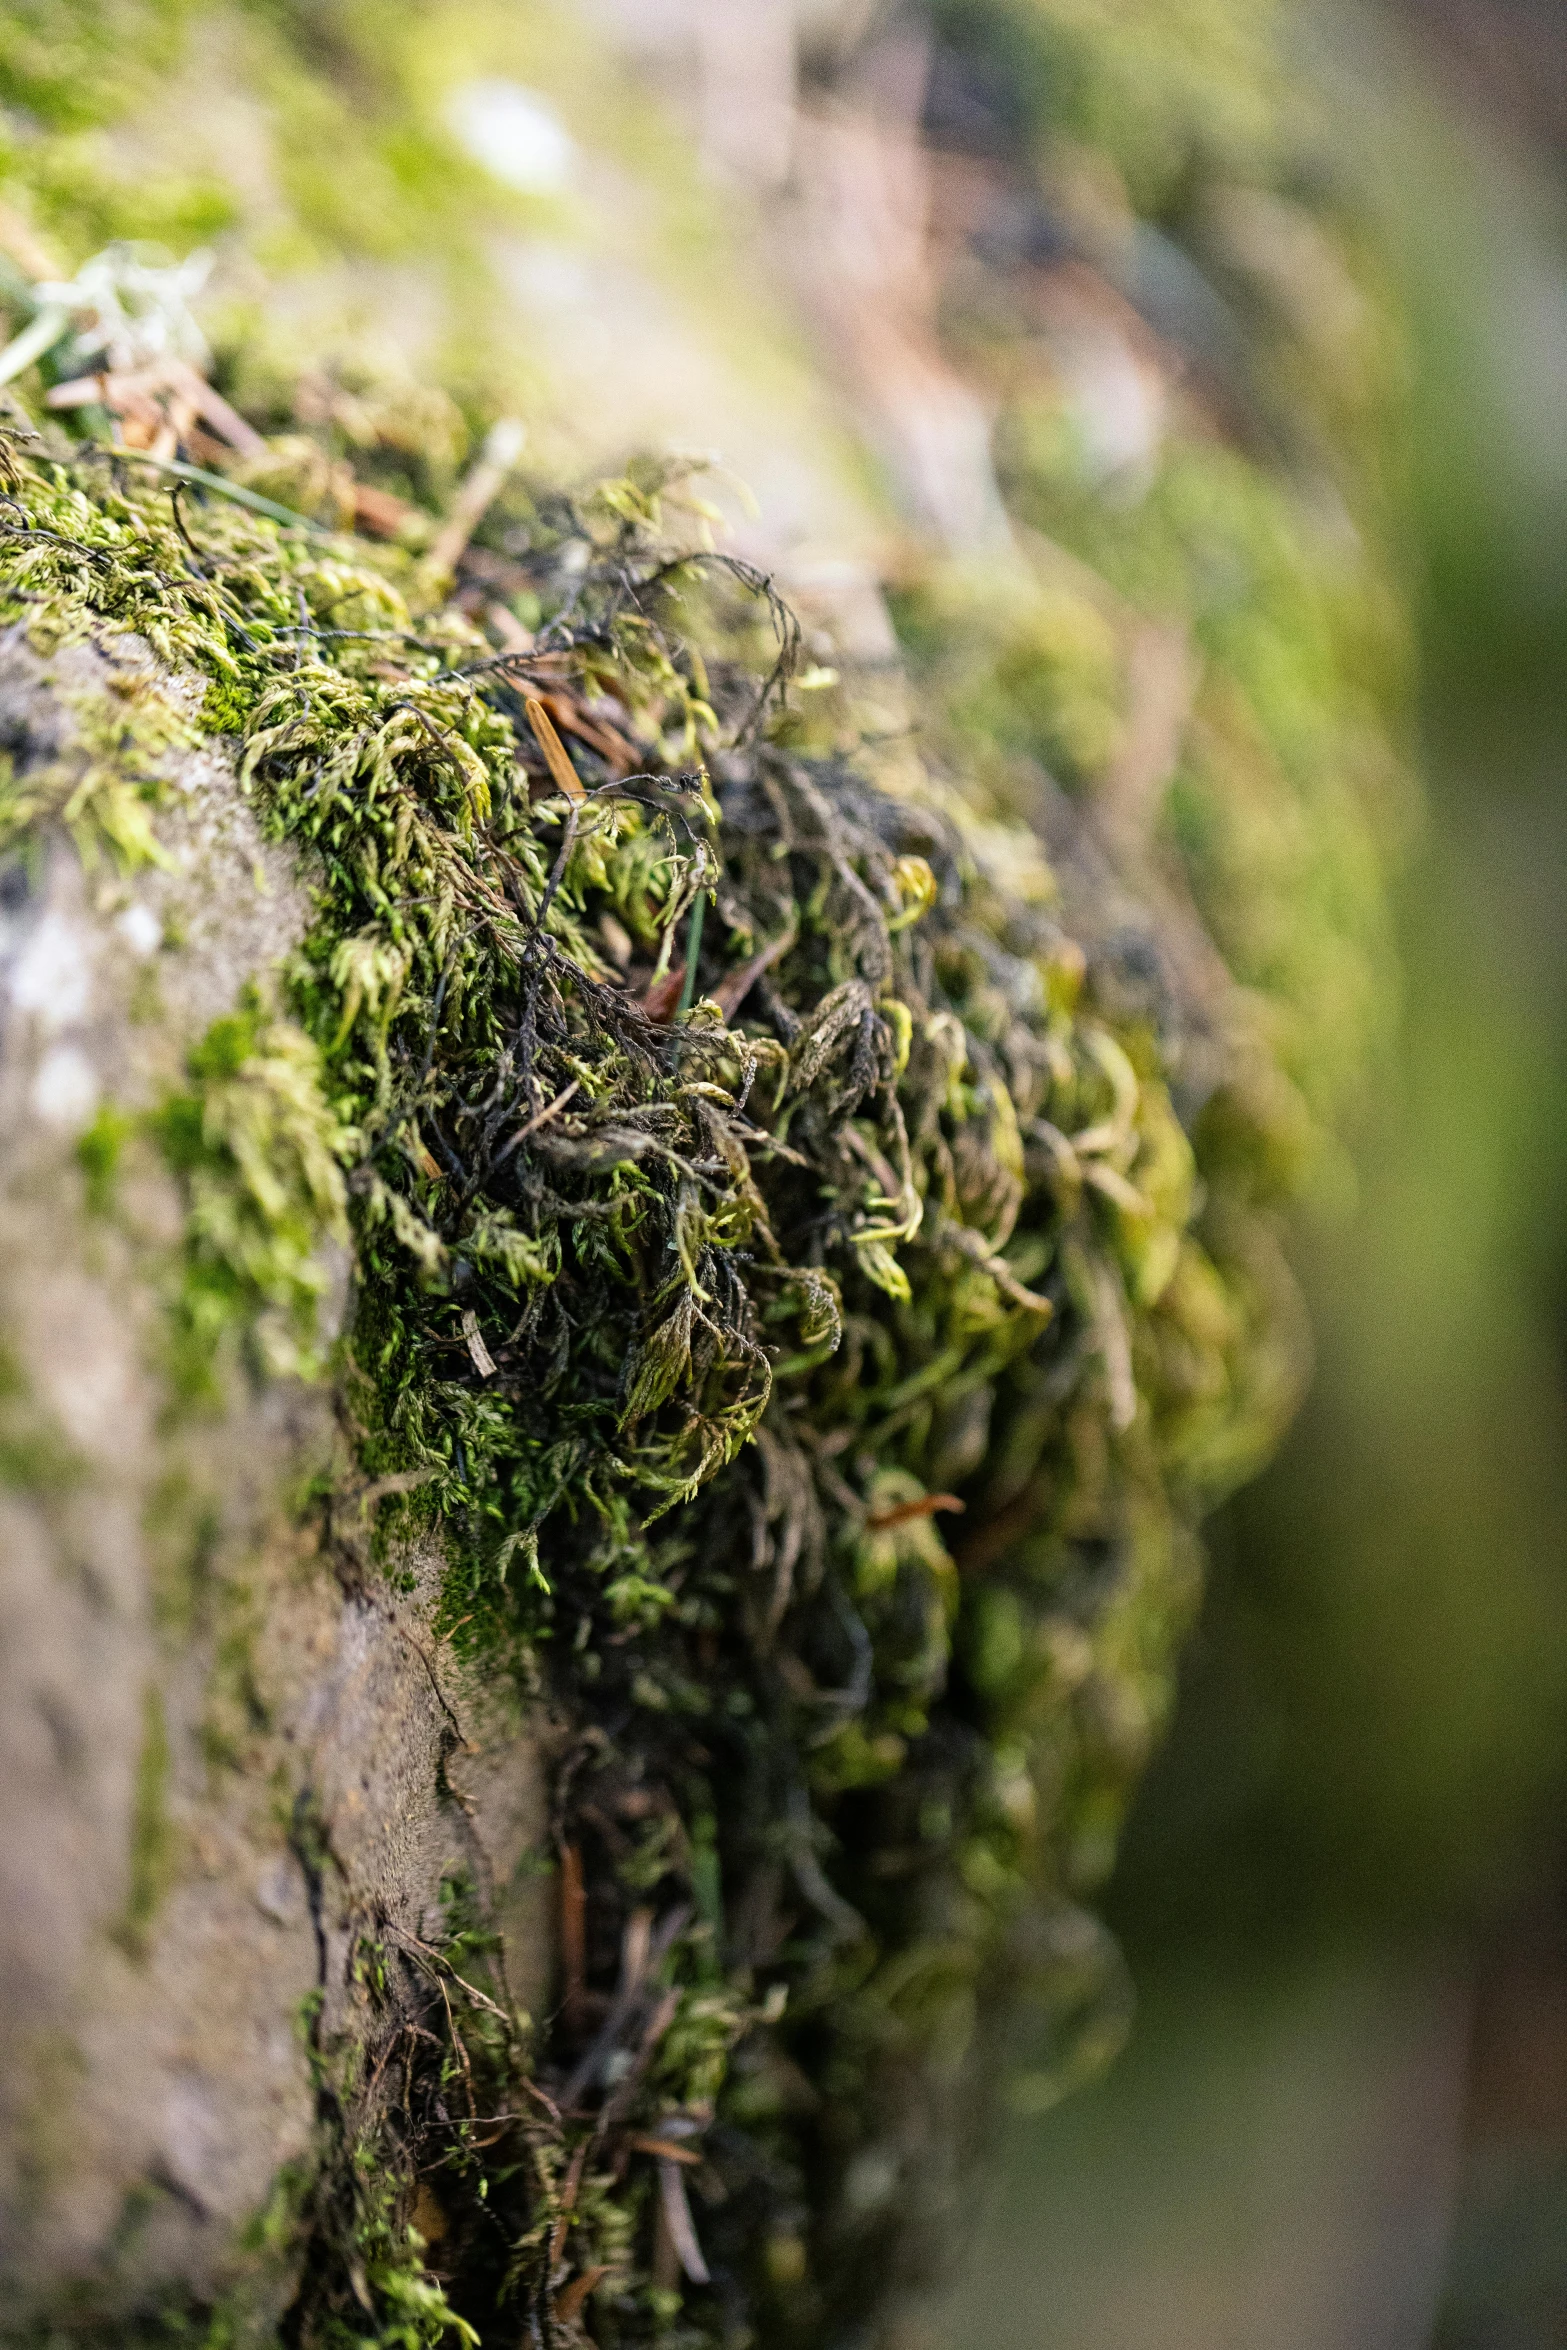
(479, 1354)
(136, 392)
(573, 1935)
(379, 512)
(541, 1118)
(514, 637)
(404, 1481)
(475, 494)
(568, 2203)
(428, 1662)
(612, 746)
(569, 2302)
(435, 1960)
(735, 986)
(662, 1000)
(555, 755)
(906, 1511)
(664, 2148)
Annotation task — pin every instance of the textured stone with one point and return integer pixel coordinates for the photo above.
(223, 1745)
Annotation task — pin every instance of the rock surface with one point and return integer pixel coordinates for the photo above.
(229, 1755)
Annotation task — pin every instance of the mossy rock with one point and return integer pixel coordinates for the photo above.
(669, 1291)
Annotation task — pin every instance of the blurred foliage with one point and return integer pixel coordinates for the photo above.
(1203, 242)
(1362, 1796)
(1373, 1737)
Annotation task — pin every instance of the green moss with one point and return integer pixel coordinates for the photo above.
(761, 1286)
(102, 795)
(50, 2066)
(182, 1527)
(1165, 146)
(66, 65)
(98, 1154)
(1170, 90)
(153, 1844)
(256, 1151)
(815, 1386)
(225, 708)
(236, 1714)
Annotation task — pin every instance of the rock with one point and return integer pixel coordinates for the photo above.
(225, 1750)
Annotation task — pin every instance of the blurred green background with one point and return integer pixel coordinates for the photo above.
(1341, 2120)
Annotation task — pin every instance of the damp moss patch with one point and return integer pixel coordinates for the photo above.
(801, 1321)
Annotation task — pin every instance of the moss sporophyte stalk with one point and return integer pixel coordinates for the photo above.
(811, 1387)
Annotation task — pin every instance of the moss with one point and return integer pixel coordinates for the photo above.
(98, 1154)
(153, 1845)
(256, 1152)
(182, 1527)
(225, 707)
(236, 1713)
(1169, 90)
(49, 2068)
(810, 1291)
(170, 2318)
(1153, 143)
(107, 783)
(65, 65)
(681, 1325)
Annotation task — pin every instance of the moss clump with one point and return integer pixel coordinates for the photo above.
(99, 1153)
(811, 1271)
(257, 1153)
(695, 1327)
